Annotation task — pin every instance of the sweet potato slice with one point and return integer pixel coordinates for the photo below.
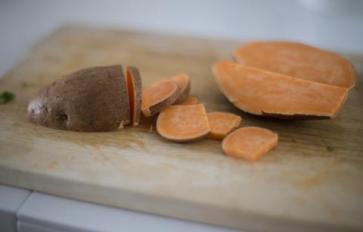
(158, 96)
(249, 143)
(190, 100)
(298, 60)
(134, 86)
(221, 123)
(276, 95)
(182, 80)
(182, 123)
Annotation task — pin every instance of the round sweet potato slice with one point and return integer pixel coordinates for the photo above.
(221, 123)
(249, 143)
(92, 99)
(298, 60)
(134, 86)
(182, 80)
(158, 96)
(182, 123)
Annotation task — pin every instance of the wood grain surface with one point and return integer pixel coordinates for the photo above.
(311, 181)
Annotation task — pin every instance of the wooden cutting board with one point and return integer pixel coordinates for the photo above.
(313, 180)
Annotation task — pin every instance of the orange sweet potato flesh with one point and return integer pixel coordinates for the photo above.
(134, 86)
(183, 123)
(298, 60)
(249, 143)
(190, 100)
(158, 96)
(221, 123)
(182, 80)
(276, 95)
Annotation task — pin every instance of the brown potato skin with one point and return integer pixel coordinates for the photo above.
(92, 99)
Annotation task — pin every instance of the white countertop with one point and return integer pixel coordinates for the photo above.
(333, 24)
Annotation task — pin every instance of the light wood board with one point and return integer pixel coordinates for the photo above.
(312, 181)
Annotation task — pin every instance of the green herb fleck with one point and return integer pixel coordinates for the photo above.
(329, 148)
(6, 96)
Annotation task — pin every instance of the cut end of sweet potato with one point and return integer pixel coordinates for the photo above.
(182, 80)
(249, 143)
(158, 96)
(190, 100)
(134, 86)
(267, 93)
(182, 123)
(222, 123)
(298, 60)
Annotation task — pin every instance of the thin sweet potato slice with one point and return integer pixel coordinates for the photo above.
(182, 80)
(298, 60)
(158, 96)
(190, 100)
(182, 123)
(276, 95)
(221, 123)
(134, 86)
(249, 143)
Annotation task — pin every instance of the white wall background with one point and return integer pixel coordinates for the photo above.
(333, 24)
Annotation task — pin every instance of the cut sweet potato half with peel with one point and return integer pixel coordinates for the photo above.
(221, 123)
(134, 86)
(190, 100)
(276, 95)
(158, 96)
(298, 60)
(249, 143)
(183, 123)
(182, 80)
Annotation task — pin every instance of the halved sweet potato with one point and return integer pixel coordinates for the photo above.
(221, 123)
(134, 86)
(190, 100)
(298, 60)
(182, 123)
(267, 93)
(158, 96)
(92, 99)
(182, 80)
(249, 143)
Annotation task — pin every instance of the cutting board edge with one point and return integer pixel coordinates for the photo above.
(166, 207)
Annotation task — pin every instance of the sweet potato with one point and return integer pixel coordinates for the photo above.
(158, 96)
(182, 123)
(93, 99)
(134, 86)
(276, 95)
(221, 123)
(298, 60)
(249, 143)
(182, 80)
(190, 100)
